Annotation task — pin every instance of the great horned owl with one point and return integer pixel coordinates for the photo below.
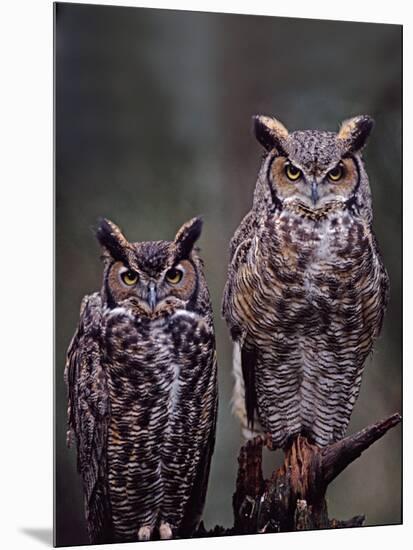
(306, 289)
(142, 389)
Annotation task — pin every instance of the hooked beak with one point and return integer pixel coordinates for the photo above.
(314, 192)
(152, 295)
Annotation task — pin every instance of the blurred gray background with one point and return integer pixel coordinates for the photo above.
(153, 126)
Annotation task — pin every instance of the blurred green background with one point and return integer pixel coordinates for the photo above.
(153, 126)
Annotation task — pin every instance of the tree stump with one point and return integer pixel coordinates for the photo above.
(293, 499)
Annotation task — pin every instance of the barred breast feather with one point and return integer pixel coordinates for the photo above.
(304, 301)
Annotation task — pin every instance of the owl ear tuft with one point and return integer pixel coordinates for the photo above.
(355, 131)
(186, 237)
(112, 240)
(270, 132)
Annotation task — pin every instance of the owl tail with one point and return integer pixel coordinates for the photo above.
(249, 429)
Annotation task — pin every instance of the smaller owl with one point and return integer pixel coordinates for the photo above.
(142, 389)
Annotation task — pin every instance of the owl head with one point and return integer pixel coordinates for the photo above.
(150, 278)
(314, 171)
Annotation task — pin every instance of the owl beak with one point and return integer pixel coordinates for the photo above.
(152, 295)
(314, 192)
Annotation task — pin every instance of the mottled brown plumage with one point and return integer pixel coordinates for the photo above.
(142, 389)
(306, 289)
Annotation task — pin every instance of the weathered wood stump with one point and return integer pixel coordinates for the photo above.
(293, 498)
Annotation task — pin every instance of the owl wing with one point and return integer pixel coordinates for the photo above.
(195, 505)
(245, 357)
(239, 246)
(88, 413)
(384, 283)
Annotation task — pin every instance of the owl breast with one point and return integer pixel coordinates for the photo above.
(160, 376)
(310, 296)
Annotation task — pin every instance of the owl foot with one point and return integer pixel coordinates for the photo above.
(145, 533)
(165, 531)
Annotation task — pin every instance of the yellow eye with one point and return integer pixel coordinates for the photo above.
(174, 276)
(336, 173)
(130, 277)
(292, 172)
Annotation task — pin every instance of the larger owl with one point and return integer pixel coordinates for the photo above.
(306, 289)
(142, 389)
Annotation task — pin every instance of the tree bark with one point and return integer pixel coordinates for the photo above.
(293, 499)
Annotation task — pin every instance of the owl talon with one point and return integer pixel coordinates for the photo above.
(165, 531)
(145, 533)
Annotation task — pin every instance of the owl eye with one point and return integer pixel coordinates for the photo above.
(130, 277)
(292, 172)
(174, 276)
(336, 173)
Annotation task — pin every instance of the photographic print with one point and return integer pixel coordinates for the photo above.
(228, 297)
